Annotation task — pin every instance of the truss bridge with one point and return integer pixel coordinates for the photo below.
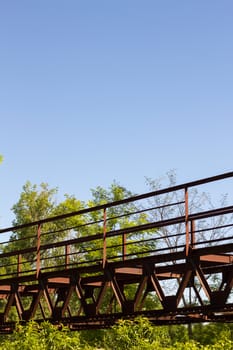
(166, 255)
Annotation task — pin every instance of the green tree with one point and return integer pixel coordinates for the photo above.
(121, 216)
(39, 202)
(34, 204)
(212, 333)
(141, 334)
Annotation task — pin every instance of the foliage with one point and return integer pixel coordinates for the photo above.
(137, 334)
(141, 334)
(39, 202)
(121, 216)
(209, 334)
(178, 333)
(43, 337)
(34, 203)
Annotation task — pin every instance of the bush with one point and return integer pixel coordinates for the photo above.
(137, 334)
(41, 337)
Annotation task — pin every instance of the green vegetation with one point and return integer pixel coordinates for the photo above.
(126, 335)
(141, 334)
(39, 202)
(44, 337)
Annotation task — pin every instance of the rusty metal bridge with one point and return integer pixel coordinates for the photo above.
(162, 255)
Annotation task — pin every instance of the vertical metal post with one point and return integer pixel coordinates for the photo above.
(186, 222)
(67, 255)
(38, 250)
(193, 237)
(19, 264)
(124, 246)
(104, 238)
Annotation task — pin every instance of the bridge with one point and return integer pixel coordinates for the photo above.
(161, 255)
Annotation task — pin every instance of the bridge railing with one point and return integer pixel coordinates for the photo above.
(153, 223)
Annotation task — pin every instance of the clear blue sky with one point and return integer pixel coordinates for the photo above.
(97, 90)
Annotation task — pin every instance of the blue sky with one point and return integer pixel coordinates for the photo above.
(97, 90)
